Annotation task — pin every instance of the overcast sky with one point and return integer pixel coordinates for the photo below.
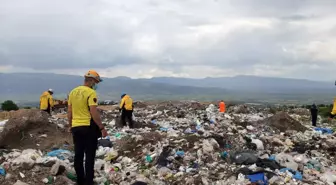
(185, 38)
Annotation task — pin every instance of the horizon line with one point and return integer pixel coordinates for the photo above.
(209, 77)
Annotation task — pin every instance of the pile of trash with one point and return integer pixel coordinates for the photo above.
(176, 143)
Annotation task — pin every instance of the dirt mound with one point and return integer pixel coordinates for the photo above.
(108, 107)
(31, 129)
(197, 105)
(130, 147)
(283, 122)
(140, 104)
(32, 178)
(301, 111)
(240, 109)
(12, 114)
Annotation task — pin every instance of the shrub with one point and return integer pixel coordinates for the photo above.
(9, 105)
(272, 110)
(325, 111)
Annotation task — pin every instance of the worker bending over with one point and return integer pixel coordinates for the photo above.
(126, 108)
(333, 112)
(86, 126)
(46, 101)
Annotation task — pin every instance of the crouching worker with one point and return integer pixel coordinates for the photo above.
(86, 126)
(126, 108)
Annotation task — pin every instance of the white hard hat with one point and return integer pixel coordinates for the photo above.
(50, 90)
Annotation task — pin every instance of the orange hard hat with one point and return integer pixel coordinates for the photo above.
(93, 74)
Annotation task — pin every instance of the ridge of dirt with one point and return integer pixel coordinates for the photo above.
(31, 129)
(283, 122)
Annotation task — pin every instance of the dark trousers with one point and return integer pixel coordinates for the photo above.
(48, 110)
(127, 114)
(85, 141)
(314, 119)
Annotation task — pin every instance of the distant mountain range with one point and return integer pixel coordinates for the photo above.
(253, 84)
(27, 87)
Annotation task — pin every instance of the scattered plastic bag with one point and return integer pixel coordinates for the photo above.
(2, 171)
(259, 143)
(243, 158)
(296, 174)
(258, 178)
(324, 130)
(61, 154)
(286, 160)
(105, 143)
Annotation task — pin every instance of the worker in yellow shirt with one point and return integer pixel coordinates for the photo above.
(86, 126)
(333, 112)
(126, 108)
(46, 101)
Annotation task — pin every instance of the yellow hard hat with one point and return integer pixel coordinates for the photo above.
(93, 74)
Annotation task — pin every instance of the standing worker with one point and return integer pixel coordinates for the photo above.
(313, 111)
(46, 101)
(333, 112)
(126, 108)
(222, 107)
(86, 126)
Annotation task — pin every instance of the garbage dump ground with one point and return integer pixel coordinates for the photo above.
(174, 143)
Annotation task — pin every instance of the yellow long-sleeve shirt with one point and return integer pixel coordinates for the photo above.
(126, 103)
(333, 112)
(46, 100)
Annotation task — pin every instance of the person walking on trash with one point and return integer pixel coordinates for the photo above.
(86, 126)
(314, 111)
(126, 109)
(46, 101)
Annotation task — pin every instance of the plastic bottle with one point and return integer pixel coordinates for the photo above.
(50, 179)
(71, 176)
(148, 158)
(118, 135)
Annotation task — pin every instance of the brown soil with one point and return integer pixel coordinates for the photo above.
(33, 177)
(56, 138)
(130, 148)
(12, 114)
(108, 107)
(191, 139)
(283, 122)
(24, 130)
(140, 105)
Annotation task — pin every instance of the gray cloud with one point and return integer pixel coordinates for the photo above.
(170, 36)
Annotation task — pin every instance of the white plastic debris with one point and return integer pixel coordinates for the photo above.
(259, 143)
(18, 182)
(207, 147)
(286, 160)
(188, 143)
(2, 124)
